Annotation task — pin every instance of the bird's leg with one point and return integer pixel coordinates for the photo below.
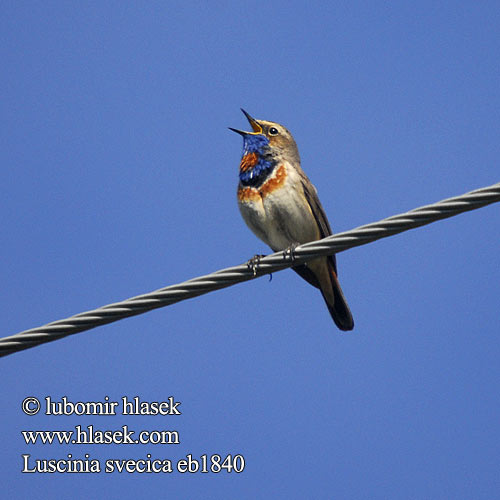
(289, 253)
(253, 263)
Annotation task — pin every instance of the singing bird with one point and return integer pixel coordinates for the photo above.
(281, 206)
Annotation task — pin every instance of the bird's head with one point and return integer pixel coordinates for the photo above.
(269, 140)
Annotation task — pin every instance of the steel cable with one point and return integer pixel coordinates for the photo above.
(244, 272)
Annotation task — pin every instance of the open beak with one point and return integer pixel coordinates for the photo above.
(257, 129)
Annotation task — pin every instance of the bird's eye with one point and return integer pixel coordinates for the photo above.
(273, 131)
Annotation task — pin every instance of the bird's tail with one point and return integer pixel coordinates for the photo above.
(335, 301)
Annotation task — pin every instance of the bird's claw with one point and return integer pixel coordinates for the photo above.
(253, 263)
(289, 253)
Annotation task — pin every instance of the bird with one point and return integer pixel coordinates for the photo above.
(280, 205)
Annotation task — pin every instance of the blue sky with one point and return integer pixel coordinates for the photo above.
(119, 177)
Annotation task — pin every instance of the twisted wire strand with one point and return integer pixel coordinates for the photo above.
(243, 272)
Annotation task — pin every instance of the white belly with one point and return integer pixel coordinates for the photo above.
(282, 217)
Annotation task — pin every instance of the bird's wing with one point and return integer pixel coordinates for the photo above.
(318, 212)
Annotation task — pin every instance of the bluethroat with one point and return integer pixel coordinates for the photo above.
(281, 206)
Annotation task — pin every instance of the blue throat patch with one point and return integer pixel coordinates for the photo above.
(254, 143)
(256, 175)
